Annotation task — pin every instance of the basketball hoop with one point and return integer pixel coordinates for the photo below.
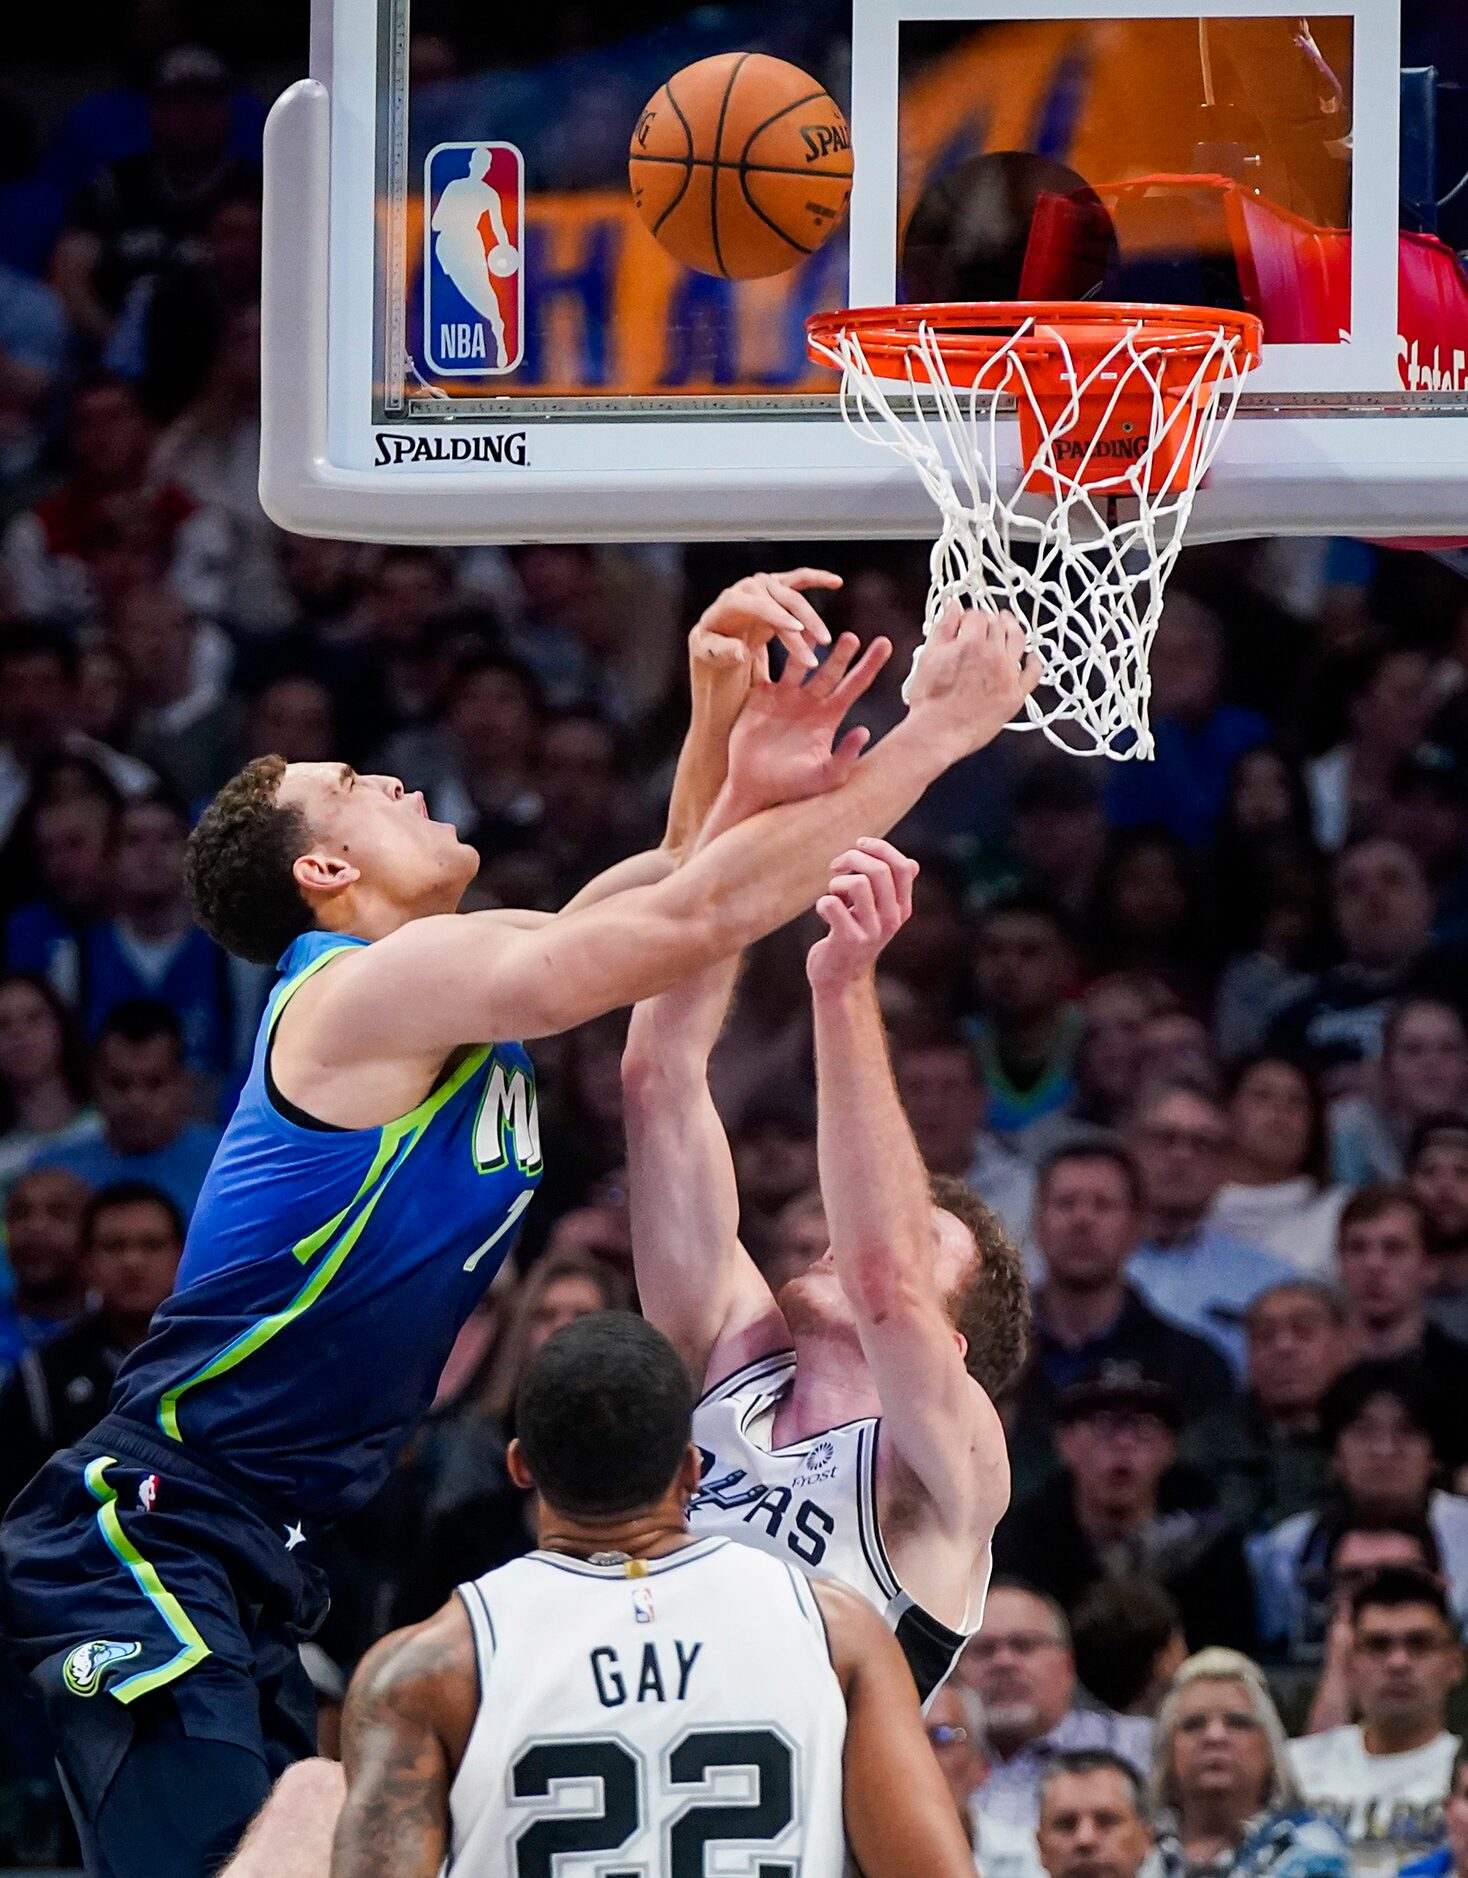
(1121, 410)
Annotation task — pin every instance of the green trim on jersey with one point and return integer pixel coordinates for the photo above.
(193, 1648)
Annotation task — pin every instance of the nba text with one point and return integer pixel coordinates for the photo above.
(656, 1678)
(394, 447)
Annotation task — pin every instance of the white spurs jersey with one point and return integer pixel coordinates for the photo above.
(813, 1504)
(659, 1718)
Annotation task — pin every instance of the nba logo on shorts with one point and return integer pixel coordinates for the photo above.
(473, 277)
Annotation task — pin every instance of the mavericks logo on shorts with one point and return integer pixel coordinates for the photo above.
(473, 273)
(84, 1670)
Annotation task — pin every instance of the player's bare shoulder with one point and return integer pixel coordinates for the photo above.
(426, 1673)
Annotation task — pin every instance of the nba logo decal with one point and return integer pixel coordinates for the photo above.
(147, 1493)
(642, 1608)
(473, 273)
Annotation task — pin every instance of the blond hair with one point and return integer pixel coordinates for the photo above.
(1220, 1665)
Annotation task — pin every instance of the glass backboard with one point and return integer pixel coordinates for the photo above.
(1306, 168)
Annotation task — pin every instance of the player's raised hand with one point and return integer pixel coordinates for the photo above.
(870, 898)
(971, 677)
(785, 745)
(739, 625)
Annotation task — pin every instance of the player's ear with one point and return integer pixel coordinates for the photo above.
(328, 874)
(515, 1465)
(962, 1342)
(690, 1471)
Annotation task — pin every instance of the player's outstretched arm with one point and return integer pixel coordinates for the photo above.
(901, 1819)
(878, 1210)
(408, 1715)
(441, 982)
(290, 1837)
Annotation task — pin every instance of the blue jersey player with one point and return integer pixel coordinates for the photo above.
(158, 1577)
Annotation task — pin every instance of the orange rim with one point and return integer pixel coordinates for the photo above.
(970, 334)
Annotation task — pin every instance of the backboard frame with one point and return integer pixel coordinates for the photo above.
(1367, 462)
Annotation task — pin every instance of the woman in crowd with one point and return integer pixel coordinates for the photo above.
(43, 1075)
(1423, 1073)
(1225, 1799)
(1276, 1195)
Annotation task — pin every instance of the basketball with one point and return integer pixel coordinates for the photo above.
(741, 165)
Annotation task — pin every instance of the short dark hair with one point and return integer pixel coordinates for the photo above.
(141, 1020)
(1315, 1289)
(1317, 1142)
(1093, 1761)
(1025, 903)
(604, 1416)
(131, 1193)
(1340, 1524)
(990, 1306)
(1427, 1134)
(1119, 1629)
(1396, 1586)
(1096, 1148)
(1400, 1378)
(35, 639)
(241, 862)
(1379, 1197)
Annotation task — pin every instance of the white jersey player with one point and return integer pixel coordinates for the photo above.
(847, 1426)
(630, 1700)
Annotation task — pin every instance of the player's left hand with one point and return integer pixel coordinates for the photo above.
(784, 746)
(734, 632)
(869, 900)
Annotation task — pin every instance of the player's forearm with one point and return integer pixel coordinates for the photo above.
(638, 870)
(872, 1175)
(718, 693)
(671, 1037)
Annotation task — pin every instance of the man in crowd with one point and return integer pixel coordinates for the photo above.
(134, 1239)
(1105, 1516)
(1385, 1777)
(955, 1722)
(143, 1091)
(43, 1246)
(1093, 1817)
(1437, 1170)
(1187, 1269)
(1021, 1667)
(947, 1106)
(1355, 1551)
(1026, 1034)
(1087, 1224)
(1263, 1453)
(1386, 1279)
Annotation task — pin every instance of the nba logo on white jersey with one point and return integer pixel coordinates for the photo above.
(473, 273)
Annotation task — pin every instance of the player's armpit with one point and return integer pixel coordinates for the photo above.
(407, 1718)
(901, 1818)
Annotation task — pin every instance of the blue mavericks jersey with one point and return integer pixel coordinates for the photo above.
(328, 1271)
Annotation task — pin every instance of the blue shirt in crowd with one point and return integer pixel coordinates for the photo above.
(1206, 1283)
(179, 1169)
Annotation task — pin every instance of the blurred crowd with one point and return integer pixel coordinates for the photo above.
(1194, 1029)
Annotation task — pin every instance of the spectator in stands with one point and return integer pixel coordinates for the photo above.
(478, 769)
(1390, 706)
(774, 1158)
(153, 949)
(43, 1075)
(1423, 1072)
(1105, 1517)
(946, 1104)
(1276, 1195)
(1093, 1819)
(38, 676)
(1354, 1555)
(1382, 910)
(1263, 1454)
(1450, 1860)
(1087, 1223)
(1198, 737)
(1116, 1012)
(1437, 1169)
(1427, 811)
(1223, 1785)
(133, 1239)
(43, 1247)
(1384, 1778)
(1026, 1032)
(34, 351)
(1021, 1668)
(178, 667)
(59, 865)
(54, 554)
(144, 1093)
(796, 1240)
(1187, 1268)
(1129, 1643)
(145, 211)
(293, 716)
(1059, 831)
(1176, 1047)
(588, 818)
(1146, 914)
(1381, 1423)
(930, 954)
(1386, 1276)
(955, 1722)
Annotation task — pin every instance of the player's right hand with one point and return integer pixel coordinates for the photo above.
(735, 630)
(867, 903)
(971, 678)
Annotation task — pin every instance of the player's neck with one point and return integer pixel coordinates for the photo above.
(368, 915)
(831, 1386)
(638, 1535)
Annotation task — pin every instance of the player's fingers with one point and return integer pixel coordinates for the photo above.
(763, 606)
(848, 751)
(834, 666)
(859, 678)
(1031, 672)
(838, 916)
(856, 890)
(799, 608)
(808, 577)
(950, 623)
(1014, 636)
(878, 871)
(903, 868)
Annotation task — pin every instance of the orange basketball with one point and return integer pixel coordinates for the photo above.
(741, 165)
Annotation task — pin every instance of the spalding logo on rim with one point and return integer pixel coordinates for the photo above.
(84, 1670)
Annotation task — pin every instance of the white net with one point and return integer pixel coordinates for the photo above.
(1082, 569)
